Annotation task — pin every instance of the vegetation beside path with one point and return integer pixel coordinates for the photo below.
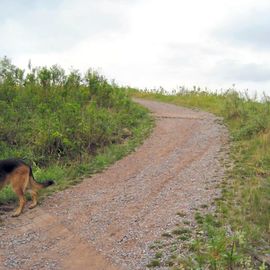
(71, 125)
(237, 235)
(65, 125)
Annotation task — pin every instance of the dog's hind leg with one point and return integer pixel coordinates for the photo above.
(19, 182)
(34, 199)
(22, 201)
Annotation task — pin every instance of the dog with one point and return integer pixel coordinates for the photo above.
(20, 176)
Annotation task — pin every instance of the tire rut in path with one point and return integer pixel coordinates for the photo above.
(109, 220)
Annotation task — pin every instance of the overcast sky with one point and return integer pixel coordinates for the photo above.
(145, 43)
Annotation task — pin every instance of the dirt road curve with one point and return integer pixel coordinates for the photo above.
(108, 221)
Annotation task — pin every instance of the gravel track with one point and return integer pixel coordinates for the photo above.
(108, 221)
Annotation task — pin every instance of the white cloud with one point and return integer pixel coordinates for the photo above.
(143, 43)
(246, 72)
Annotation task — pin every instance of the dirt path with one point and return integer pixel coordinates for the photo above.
(108, 221)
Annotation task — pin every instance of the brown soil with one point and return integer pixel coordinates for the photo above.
(109, 220)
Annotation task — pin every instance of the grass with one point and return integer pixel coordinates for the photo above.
(67, 126)
(237, 236)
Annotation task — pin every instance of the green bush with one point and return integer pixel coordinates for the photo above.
(57, 116)
(50, 118)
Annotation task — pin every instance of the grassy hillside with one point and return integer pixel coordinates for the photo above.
(237, 236)
(65, 125)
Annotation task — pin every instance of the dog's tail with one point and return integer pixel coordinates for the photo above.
(37, 185)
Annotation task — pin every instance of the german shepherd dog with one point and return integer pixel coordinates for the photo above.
(17, 173)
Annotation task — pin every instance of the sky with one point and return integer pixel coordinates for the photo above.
(218, 44)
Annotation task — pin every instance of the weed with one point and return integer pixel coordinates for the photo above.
(184, 237)
(181, 231)
(198, 218)
(181, 214)
(154, 263)
(158, 255)
(166, 234)
(186, 222)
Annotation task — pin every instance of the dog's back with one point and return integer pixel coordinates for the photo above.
(7, 166)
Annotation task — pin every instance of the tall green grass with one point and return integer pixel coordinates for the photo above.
(65, 125)
(238, 234)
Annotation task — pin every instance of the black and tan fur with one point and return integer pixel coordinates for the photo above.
(20, 176)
